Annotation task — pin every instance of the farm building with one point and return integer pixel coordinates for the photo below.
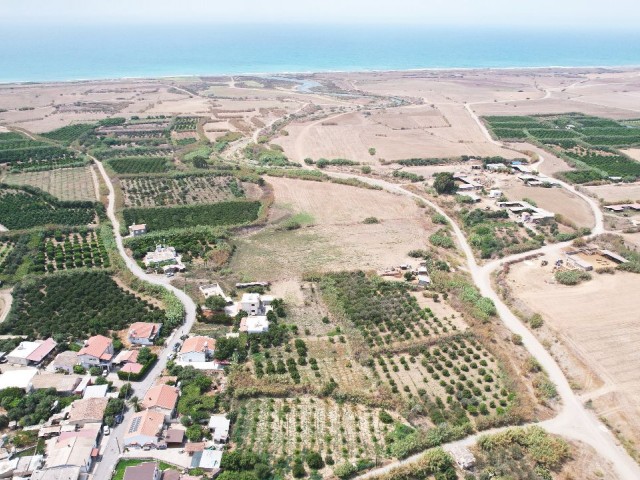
(219, 427)
(97, 352)
(521, 168)
(623, 207)
(144, 430)
(143, 333)
(197, 349)
(465, 183)
(613, 256)
(31, 353)
(528, 213)
(496, 167)
(462, 456)
(495, 193)
(254, 324)
(137, 230)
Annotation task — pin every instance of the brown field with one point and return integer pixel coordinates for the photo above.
(617, 192)
(633, 153)
(602, 332)
(556, 200)
(65, 183)
(336, 239)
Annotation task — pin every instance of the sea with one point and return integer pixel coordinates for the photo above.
(59, 52)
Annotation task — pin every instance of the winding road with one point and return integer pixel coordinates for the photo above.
(114, 445)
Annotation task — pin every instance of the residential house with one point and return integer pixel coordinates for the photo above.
(197, 349)
(64, 384)
(161, 398)
(143, 471)
(144, 430)
(61, 473)
(96, 352)
(219, 427)
(174, 436)
(126, 356)
(165, 257)
(64, 362)
(89, 410)
(95, 391)
(137, 230)
(72, 451)
(254, 324)
(31, 353)
(256, 304)
(207, 460)
(144, 333)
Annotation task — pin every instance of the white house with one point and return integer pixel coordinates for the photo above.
(197, 349)
(495, 193)
(137, 230)
(97, 352)
(219, 427)
(144, 430)
(254, 324)
(144, 333)
(31, 353)
(256, 304)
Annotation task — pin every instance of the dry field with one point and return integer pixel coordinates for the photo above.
(602, 331)
(556, 200)
(65, 183)
(633, 153)
(337, 239)
(281, 427)
(617, 193)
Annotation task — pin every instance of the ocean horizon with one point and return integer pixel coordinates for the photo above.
(68, 53)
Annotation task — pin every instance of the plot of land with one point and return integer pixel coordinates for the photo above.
(63, 183)
(616, 193)
(337, 238)
(603, 331)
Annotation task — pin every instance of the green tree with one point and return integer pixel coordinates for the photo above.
(215, 302)
(444, 183)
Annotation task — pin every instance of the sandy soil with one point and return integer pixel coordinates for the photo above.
(617, 193)
(602, 330)
(633, 153)
(557, 200)
(337, 238)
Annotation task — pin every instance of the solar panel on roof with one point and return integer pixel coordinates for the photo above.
(135, 423)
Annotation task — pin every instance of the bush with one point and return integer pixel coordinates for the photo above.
(571, 277)
(385, 417)
(345, 470)
(444, 183)
(536, 321)
(314, 460)
(370, 220)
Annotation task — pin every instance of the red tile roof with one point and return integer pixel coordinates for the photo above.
(97, 347)
(198, 344)
(42, 351)
(132, 368)
(162, 396)
(143, 330)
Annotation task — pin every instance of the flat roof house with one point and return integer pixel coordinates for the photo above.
(97, 352)
(31, 353)
(219, 427)
(144, 430)
(143, 333)
(161, 398)
(197, 349)
(254, 324)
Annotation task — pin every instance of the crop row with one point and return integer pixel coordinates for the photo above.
(72, 251)
(70, 133)
(140, 164)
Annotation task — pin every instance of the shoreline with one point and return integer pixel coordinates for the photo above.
(285, 74)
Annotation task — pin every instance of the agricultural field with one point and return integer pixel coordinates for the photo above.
(589, 142)
(67, 184)
(201, 245)
(75, 305)
(285, 426)
(130, 165)
(21, 153)
(457, 372)
(384, 311)
(65, 251)
(69, 134)
(180, 190)
(27, 208)
(185, 124)
(217, 214)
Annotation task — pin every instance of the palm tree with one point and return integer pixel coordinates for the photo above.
(134, 402)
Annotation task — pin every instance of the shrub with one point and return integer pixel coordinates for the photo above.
(571, 277)
(444, 183)
(345, 470)
(314, 460)
(370, 220)
(536, 321)
(385, 417)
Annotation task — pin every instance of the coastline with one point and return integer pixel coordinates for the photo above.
(629, 67)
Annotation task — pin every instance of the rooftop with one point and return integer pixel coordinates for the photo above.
(97, 346)
(162, 396)
(20, 378)
(96, 391)
(144, 330)
(88, 409)
(146, 422)
(198, 344)
(59, 381)
(144, 471)
(132, 367)
(65, 360)
(33, 351)
(126, 356)
(74, 451)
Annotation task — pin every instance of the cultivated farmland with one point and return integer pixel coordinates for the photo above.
(65, 251)
(67, 184)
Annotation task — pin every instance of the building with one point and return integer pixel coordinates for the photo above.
(132, 368)
(137, 230)
(613, 256)
(174, 436)
(197, 349)
(143, 333)
(126, 356)
(622, 207)
(219, 427)
(95, 391)
(144, 430)
(62, 473)
(89, 410)
(163, 257)
(528, 213)
(254, 324)
(64, 362)
(73, 451)
(31, 353)
(212, 290)
(96, 352)
(19, 378)
(462, 456)
(251, 304)
(496, 167)
(207, 460)
(64, 384)
(161, 398)
(495, 193)
(143, 471)
(520, 168)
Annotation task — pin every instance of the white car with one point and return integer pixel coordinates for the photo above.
(106, 430)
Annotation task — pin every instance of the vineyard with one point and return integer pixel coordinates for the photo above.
(217, 214)
(68, 184)
(338, 431)
(75, 306)
(27, 208)
(458, 372)
(182, 190)
(140, 164)
(196, 243)
(385, 312)
(566, 132)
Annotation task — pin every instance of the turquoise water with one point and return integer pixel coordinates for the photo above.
(72, 52)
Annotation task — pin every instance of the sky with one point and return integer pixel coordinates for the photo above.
(574, 14)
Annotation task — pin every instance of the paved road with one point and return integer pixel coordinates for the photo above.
(114, 444)
(574, 421)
